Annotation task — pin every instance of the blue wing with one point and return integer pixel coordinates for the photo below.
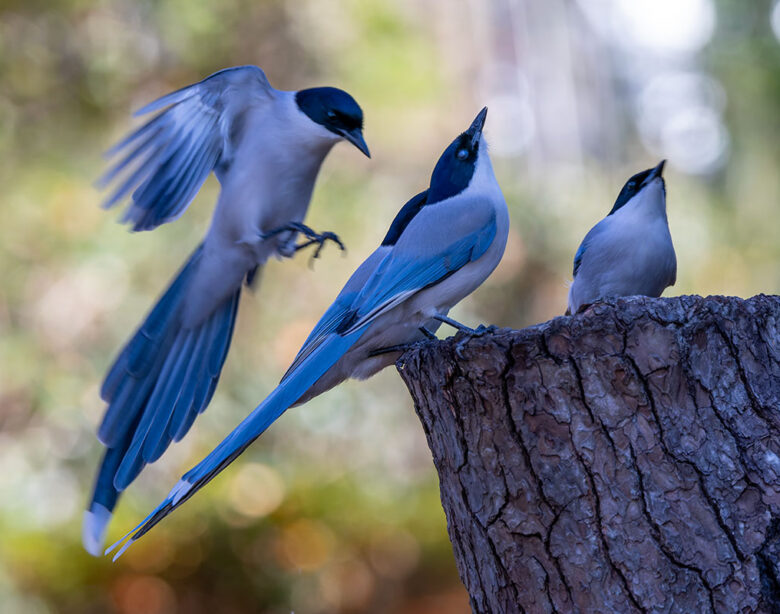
(166, 161)
(593, 234)
(578, 257)
(402, 274)
(335, 314)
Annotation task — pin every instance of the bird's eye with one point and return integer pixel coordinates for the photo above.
(462, 154)
(631, 185)
(331, 115)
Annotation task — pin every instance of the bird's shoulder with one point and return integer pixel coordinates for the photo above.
(594, 236)
(238, 80)
(439, 224)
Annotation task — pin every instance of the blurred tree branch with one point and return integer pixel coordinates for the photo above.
(625, 460)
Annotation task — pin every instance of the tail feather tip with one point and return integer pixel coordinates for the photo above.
(93, 531)
(121, 551)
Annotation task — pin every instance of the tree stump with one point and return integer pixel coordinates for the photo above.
(626, 459)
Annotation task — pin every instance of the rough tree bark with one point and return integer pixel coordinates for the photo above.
(626, 459)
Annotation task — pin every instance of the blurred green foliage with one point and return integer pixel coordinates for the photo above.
(336, 508)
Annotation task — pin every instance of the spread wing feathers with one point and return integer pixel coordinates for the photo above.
(165, 161)
(397, 275)
(285, 395)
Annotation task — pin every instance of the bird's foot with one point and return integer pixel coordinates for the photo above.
(428, 334)
(318, 238)
(472, 332)
(484, 330)
(477, 332)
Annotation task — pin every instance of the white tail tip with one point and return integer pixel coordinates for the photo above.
(93, 528)
(182, 488)
(121, 551)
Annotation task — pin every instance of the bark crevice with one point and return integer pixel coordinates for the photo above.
(622, 459)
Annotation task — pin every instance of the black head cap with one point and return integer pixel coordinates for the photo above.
(335, 110)
(456, 165)
(635, 184)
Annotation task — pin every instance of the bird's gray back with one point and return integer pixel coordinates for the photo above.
(624, 255)
(268, 184)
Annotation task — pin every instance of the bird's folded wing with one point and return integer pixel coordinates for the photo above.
(165, 161)
(434, 246)
(592, 236)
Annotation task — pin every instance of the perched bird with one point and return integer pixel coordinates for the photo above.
(265, 147)
(630, 251)
(441, 246)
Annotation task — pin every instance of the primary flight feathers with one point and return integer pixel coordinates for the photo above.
(175, 151)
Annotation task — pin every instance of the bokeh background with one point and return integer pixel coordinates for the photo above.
(336, 508)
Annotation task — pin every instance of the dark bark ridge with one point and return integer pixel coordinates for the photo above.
(626, 459)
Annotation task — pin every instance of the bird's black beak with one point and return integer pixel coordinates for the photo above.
(475, 129)
(657, 171)
(355, 136)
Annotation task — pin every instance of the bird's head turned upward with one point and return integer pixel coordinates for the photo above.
(336, 111)
(649, 182)
(457, 166)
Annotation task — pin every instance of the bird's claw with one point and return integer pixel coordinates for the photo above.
(479, 331)
(483, 330)
(320, 238)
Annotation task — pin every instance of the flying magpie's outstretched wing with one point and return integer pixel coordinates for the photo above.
(435, 244)
(166, 160)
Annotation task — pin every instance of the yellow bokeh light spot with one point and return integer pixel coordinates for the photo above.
(305, 545)
(256, 491)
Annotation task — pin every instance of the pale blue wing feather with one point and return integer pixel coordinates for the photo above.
(168, 158)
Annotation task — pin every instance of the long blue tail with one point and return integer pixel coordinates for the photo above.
(163, 378)
(312, 368)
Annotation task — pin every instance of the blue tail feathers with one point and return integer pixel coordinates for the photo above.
(163, 378)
